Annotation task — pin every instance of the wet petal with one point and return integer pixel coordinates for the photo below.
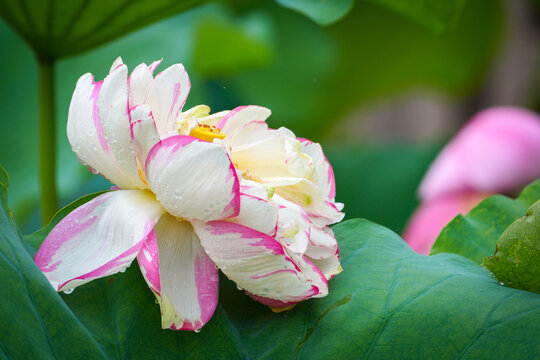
(258, 263)
(167, 97)
(143, 130)
(257, 214)
(140, 82)
(193, 179)
(98, 128)
(181, 275)
(98, 238)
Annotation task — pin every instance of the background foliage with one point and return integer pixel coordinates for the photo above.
(312, 78)
(381, 83)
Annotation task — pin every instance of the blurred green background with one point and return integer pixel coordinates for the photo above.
(381, 88)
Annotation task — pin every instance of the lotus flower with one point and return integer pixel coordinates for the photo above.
(498, 151)
(196, 192)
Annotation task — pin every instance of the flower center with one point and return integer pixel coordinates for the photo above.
(207, 133)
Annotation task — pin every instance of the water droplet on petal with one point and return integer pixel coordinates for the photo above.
(197, 330)
(68, 291)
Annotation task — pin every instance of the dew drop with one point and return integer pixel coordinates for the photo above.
(68, 291)
(123, 270)
(239, 288)
(197, 330)
(501, 283)
(157, 302)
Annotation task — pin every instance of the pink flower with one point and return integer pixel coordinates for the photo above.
(498, 151)
(197, 192)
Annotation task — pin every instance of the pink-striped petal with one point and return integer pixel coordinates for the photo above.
(258, 263)
(432, 216)
(309, 196)
(497, 151)
(98, 128)
(193, 179)
(234, 121)
(181, 275)
(167, 96)
(322, 243)
(323, 170)
(98, 238)
(140, 82)
(329, 266)
(116, 64)
(257, 214)
(143, 131)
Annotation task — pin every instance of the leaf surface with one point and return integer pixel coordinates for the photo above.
(323, 12)
(57, 29)
(475, 234)
(389, 301)
(516, 261)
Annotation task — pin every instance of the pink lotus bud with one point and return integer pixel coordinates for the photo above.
(430, 217)
(498, 151)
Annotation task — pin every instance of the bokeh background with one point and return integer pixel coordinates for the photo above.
(381, 91)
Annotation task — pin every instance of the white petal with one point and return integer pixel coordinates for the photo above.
(116, 64)
(140, 82)
(236, 119)
(330, 266)
(113, 112)
(213, 119)
(256, 189)
(167, 97)
(193, 179)
(98, 238)
(293, 230)
(251, 132)
(322, 243)
(257, 262)
(257, 214)
(87, 136)
(309, 196)
(183, 278)
(323, 169)
(144, 131)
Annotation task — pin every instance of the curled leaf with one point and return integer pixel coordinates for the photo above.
(516, 262)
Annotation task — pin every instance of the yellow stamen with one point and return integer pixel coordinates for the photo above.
(207, 133)
(141, 173)
(249, 176)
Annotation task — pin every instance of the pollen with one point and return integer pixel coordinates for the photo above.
(207, 133)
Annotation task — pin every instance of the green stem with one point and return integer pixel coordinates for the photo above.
(47, 140)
